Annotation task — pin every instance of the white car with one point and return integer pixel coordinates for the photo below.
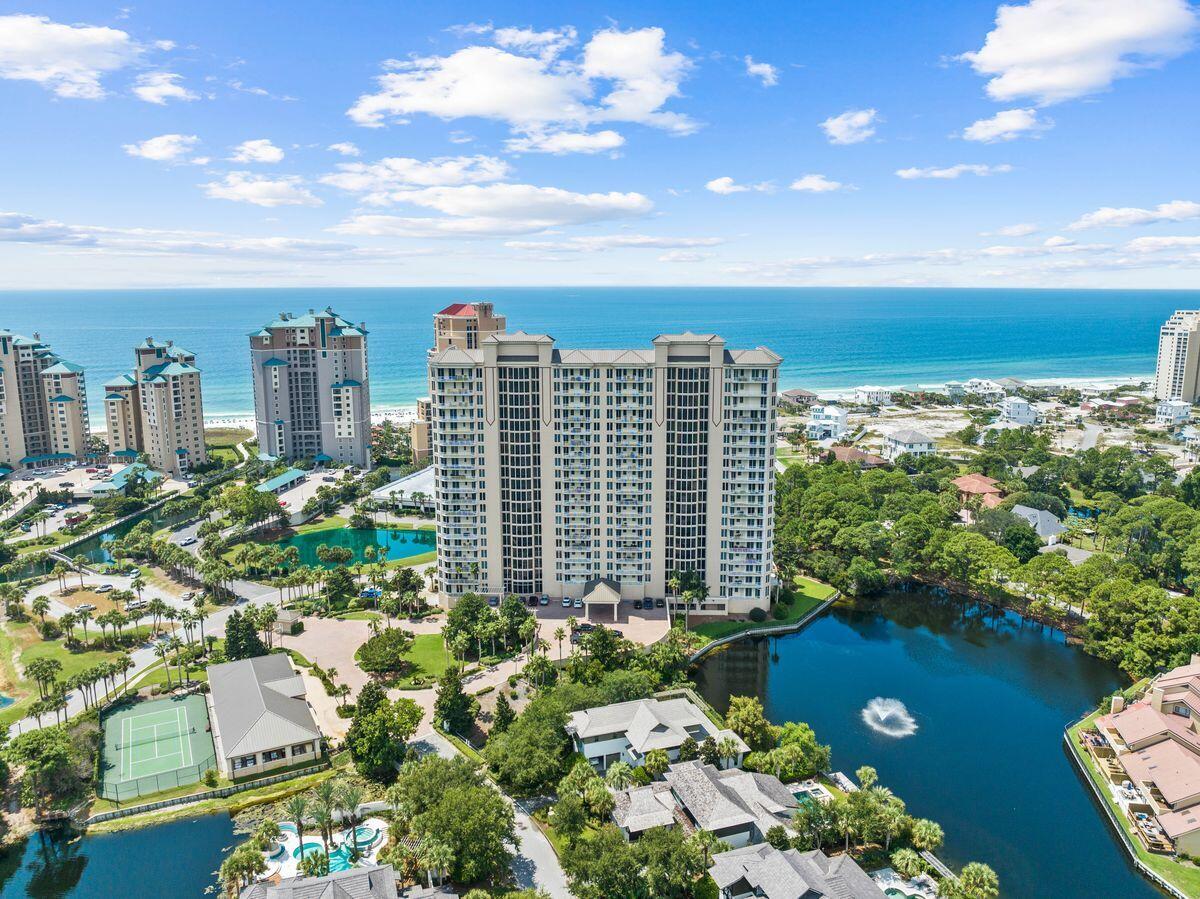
(566, 602)
(104, 588)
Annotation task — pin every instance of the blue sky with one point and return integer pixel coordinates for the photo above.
(1049, 143)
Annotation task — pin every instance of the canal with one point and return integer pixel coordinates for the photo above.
(977, 742)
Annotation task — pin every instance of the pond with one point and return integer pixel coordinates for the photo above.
(967, 729)
(170, 860)
(94, 546)
(401, 544)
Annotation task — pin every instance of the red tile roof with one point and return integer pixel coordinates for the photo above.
(459, 309)
(976, 483)
(853, 454)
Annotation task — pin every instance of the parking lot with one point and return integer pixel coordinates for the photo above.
(81, 481)
(642, 626)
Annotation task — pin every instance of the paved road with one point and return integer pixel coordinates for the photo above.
(1091, 433)
(535, 866)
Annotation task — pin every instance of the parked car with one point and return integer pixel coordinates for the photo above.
(369, 593)
(493, 600)
(134, 604)
(189, 596)
(566, 602)
(85, 607)
(65, 485)
(103, 588)
(187, 541)
(578, 603)
(637, 604)
(660, 604)
(545, 600)
(533, 601)
(585, 627)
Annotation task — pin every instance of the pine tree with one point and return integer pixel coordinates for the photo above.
(504, 715)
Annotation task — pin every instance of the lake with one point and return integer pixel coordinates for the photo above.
(989, 695)
(178, 859)
(401, 544)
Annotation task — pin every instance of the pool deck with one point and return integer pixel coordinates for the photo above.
(285, 862)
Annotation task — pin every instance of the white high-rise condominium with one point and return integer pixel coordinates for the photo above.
(43, 405)
(312, 393)
(593, 473)
(1178, 373)
(158, 409)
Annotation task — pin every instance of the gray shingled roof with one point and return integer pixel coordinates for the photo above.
(792, 874)
(1045, 523)
(356, 883)
(648, 723)
(910, 437)
(259, 705)
(641, 808)
(721, 799)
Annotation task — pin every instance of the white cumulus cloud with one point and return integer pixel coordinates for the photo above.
(726, 185)
(763, 71)
(69, 60)
(1008, 124)
(1113, 217)
(817, 184)
(261, 150)
(954, 171)
(561, 142)
(245, 187)
(164, 148)
(1056, 50)
(851, 127)
(159, 87)
(1158, 244)
(389, 179)
(344, 148)
(1022, 229)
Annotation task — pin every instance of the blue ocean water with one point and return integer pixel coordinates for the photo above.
(828, 337)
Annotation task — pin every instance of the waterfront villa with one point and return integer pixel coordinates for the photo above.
(260, 717)
(909, 442)
(627, 731)
(978, 488)
(765, 872)
(798, 397)
(737, 806)
(870, 395)
(987, 390)
(826, 423)
(1047, 525)
(1150, 753)
(1172, 412)
(852, 455)
(1017, 411)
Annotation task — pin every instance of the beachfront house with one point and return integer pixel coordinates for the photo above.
(737, 806)
(987, 390)
(1172, 413)
(909, 442)
(764, 872)
(1047, 524)
(798, 397)
(626, 731)
(1017, 411)
(827, 423)
(260, 717)
(1150, 753)
(870, 395)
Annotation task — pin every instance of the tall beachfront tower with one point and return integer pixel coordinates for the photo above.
(1178, 373)
(597, 474)
(158, 409)
(43, 405)
(312, 392)
(463, 325)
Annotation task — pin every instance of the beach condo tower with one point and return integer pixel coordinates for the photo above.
(43, 405)
(312, 392)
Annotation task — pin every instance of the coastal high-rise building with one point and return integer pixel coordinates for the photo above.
(43, 405)
(158, 409)
(597, 474)
(1177, 376)
(463, 325)
(312, 394)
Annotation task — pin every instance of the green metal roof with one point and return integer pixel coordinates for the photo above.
(280, 480)
(273, 361)
(62, 398)
(63, 367)
(349, 382)
(121, 381)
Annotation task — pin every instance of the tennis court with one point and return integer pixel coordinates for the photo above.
(157, 745)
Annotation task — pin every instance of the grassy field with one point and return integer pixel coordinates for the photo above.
(1183, 875)
(228, 437)
(807, 595)
(428, 657)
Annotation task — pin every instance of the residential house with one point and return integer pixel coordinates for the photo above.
(377, 882)
(987, 390)
(765, 872)
(1017, 411)
(1047, 524)
(914, 443)
(260, 718)
(1117, 407)
(123, 478)
(1172, 412)
(1011, 385)
(627, 731)
(956, 390)
(737, 806)
(1154, 744)
(870, 395)
(827, 423)
(854, 456)
(798, 397)
(978, 488)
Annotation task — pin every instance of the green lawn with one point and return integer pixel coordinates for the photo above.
(428, 657)
(1184, 876)
(807, 595)
(229, 437)
(329, 523)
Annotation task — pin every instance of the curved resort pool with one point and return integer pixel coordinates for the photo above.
(401, 544)
(339, 858)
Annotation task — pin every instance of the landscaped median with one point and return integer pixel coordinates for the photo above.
(1183, 876)
(797, 601)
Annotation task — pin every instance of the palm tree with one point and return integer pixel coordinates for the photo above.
(161, 649)
(349, 797)
(559, 634)
(60, 572)
(436, 856)
(673, 583)
(727, 748)
(138, 584)
(40, 606)
(80, 562)
(83, 616)
(325, 797)
(297, 808)
(620, 775)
